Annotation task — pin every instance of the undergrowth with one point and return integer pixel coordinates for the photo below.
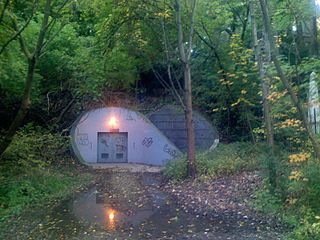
(36, 169)
(291, 188)
(295, 197)
(224, 160)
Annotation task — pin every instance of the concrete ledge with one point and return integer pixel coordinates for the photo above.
(126, 167)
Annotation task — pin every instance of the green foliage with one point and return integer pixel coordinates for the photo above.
(295, 200)
(109, 45)
(39, 187)
(35, 169)
(308, 227)
(266, 202)
(224, 160)
(306, 189)
(12, 89)
(177, 170)
(34, 148)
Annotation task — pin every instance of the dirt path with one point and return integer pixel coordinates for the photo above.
(226, 201)
(140, 206)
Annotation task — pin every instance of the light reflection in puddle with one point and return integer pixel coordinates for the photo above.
(141, 211)
(91, 208)
(110, 216)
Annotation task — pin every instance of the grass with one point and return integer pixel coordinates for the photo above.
(38, 188)
(37, 169)
(226, 159)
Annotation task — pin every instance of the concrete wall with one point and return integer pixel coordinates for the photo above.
(146, 144)
(171, 121)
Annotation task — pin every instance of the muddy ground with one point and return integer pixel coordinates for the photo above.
(123, 205)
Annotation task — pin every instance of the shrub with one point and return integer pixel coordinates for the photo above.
(308, 227)
(35, 147)
(32, 172)
(304, 187)
(37, 188)
(225, 159)
(177, 169)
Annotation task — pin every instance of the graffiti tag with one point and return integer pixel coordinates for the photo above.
(172, 152)
(147, 142)
(83, 139)
(120, 148)
(129, 116)
(104, 142)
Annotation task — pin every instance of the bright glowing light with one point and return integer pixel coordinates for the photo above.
(113, 122)
(318, 2)
(111, 216)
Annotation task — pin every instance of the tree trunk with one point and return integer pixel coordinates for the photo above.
(263, 78)
(185, 57)
(314, 32)
(189, 122)
(32, 61)
(22, 112)
(285, 81)
(315, 45)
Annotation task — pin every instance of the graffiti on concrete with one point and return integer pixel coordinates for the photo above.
(104, 142)
(83, 139)
(147, 141)
(141, 118)
(171, 151)
(120, 148)
(129, 116)
(119, 139)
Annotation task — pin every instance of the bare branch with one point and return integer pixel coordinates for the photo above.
(52, 22)
(173, 88)
(17, 34)
(211, 45)
(160, 79)
(6, 4)
(193, 8)
(245, 23)
(235, 12)
(19, 31)
(180, 33)
(168, 87)
(22, 42)
(43, 30)
(51, 39)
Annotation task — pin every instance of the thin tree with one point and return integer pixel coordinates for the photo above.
(294, 98)
(32, 59)
(263, 58)
(185, 58)
(314, 31)
(263, 63)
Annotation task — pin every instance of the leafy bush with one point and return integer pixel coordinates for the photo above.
(177, 169)
(34, 147)
(303, 192)
(266, 202)
(307, 228)
(225, 159)
(36, 188)
(32, 171)
(296, 197)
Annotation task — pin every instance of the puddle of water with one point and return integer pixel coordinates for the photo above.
(120, 206)
(142, 210)
(95, 208)
(124, 206)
